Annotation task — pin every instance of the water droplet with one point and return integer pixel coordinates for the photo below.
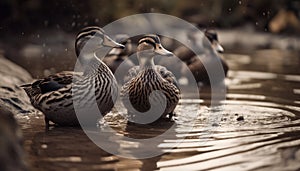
(97, 20)
(49, 50)
(240, 2)
(256, 23)
(66, 49)
(229, 9)
(44, 146)
(22, 33)
(38, 36)
(73, 24)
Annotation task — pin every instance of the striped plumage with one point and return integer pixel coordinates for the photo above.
(54, 94)
(146, 78)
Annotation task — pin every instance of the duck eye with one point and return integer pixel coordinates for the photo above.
(148, 42)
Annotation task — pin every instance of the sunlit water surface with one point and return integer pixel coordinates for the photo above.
(257, 127)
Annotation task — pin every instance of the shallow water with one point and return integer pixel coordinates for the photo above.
(257, 127)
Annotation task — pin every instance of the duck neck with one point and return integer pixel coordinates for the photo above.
(146, 62)
(90, 59)
(90, 63)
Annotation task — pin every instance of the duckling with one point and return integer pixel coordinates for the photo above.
(54, 94)
(138, 93)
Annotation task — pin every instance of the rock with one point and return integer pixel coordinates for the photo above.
(11, 143)
(13, 102)
(215, 125)
(12, 96)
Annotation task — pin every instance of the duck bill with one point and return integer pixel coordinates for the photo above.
(162, 51)
(115, 51)
(108, 42)
(216, 45)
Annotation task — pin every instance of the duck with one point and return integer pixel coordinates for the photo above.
(118, 59)
(54, 95)
(187, 62)
(210, 60)
(199, 67)
(149, 86)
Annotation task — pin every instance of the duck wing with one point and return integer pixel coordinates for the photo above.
(51, 83)
(133, 72)
(166, 74)
(62, 78)
(58, 81)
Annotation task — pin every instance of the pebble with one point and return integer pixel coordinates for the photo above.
(240, 118)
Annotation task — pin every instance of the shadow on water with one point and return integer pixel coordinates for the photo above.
(257, 128)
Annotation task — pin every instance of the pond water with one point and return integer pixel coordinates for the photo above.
(258, 127)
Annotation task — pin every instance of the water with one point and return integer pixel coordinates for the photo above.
(257, 128)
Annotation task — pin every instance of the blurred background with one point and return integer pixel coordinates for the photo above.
(34, 31)
(19, 16)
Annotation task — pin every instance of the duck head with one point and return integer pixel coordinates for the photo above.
(195, 37)
(91, 39)
(125, 40)
(148, 47)
(212, 36)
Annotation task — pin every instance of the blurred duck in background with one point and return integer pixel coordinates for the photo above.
(189, 63)
(117, 56)
(199, 66)
(118, 59)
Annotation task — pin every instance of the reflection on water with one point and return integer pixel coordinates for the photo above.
(257, 127)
